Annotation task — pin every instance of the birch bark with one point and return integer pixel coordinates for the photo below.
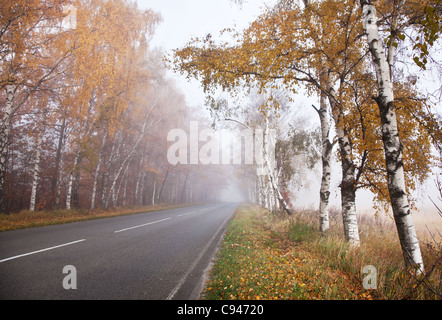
(124, 163)
(139, 185)
(153, 191)
(270, 166)
(59, 180)
(116, 147)
(392, 144)
(36, 173)
(97, 171)
(160, 194)
(327, 146)
(71, 180)
(348, 188)
(55, 183)
(5, 130)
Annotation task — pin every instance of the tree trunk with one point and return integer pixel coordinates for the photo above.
(139, 184)
(97, 171)
(327, 147)
(71, 181)
(58, 190)
(5, 130)
(142, 188)
(116, 194)
(269, 141)
(348, 187)
(36, 173)
(153, 191)
(184, 189)
(392, 144)
(116, 146)
(76, 186)
(348, 201)
(129, 156)
(56, 177)
(261, 191)
(160, 194)
(125, 178)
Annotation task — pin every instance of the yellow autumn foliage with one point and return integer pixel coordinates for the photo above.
(320, 48)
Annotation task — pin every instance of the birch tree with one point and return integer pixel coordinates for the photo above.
(274, 52)
(37, 160)
(146, 126)
(96, 73)
(107, 69)
(327, 147)
(27, 29)
(383, 64)
(97, 170)
(319, 48)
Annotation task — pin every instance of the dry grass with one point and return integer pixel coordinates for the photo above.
(379, 247)
(272, 256)
(259, 261)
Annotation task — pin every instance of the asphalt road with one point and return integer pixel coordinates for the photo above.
(156, 256)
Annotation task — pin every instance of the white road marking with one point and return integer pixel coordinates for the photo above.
(42, 250)
(142, 225)
(185, 214)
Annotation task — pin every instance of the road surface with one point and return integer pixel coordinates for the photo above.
(156, 256)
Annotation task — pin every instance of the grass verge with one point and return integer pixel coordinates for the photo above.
(29, 219)
(267, 256)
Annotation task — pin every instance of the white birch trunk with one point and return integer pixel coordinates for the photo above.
(266, 191)
(275, 197)
(112, 158)
(122, 182)
(191, 193)
(348, 191)
(142, 188)
(269, 165)
(128, 157)
(153, 192)
(348, 188)
(97, 171)
(55, 185)
(36, 173)
(139, 181)
(71, 181)
(257, 191)
(260, 191)
(327, 147)
(111, 193)
(5, 129)
(59, 180)
(123, 202)
(392, 144)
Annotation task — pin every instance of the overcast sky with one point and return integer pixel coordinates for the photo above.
(184, 19)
